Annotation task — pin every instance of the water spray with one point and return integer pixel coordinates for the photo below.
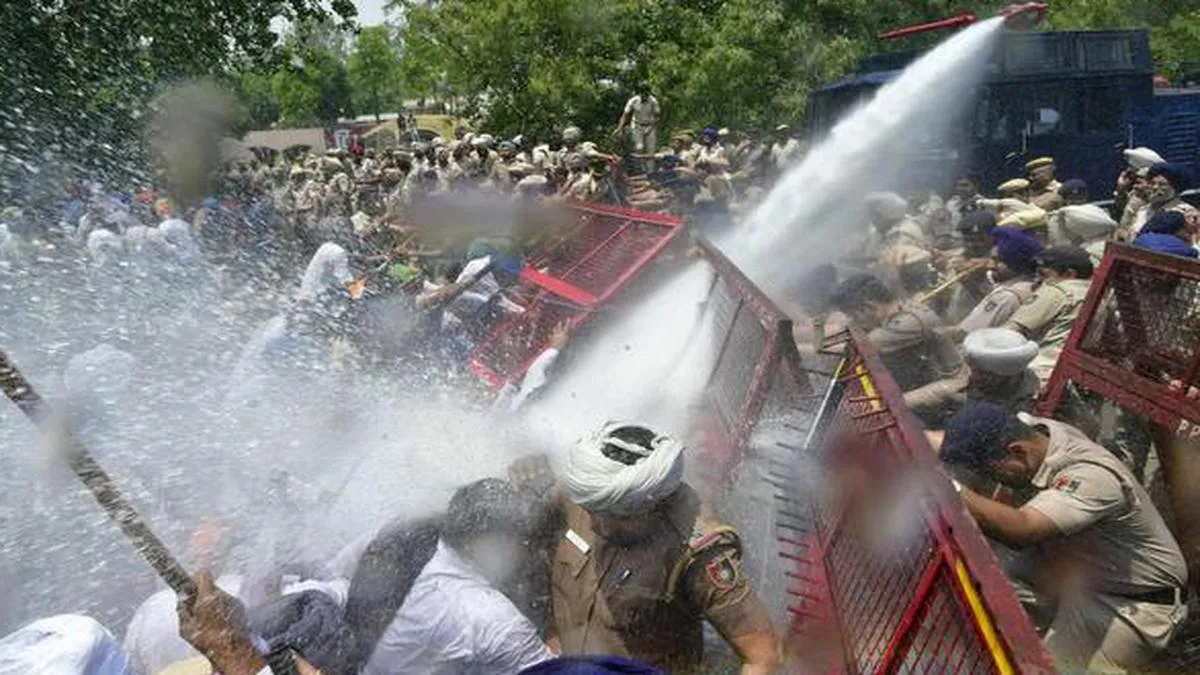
(99, 483)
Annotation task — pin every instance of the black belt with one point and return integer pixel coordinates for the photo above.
(1161, 596)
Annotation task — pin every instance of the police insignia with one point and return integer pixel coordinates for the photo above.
(1066, 484)
(723, 573)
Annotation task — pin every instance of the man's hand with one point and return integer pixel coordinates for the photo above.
(214, 622)
(560, 335)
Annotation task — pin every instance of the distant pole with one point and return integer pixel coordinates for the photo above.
(102, 487)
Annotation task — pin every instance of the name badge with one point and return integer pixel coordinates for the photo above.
(574, 538)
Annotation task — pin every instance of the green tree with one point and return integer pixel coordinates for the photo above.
(78, 74)
(375, 72)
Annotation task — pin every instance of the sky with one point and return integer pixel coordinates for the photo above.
(370, 12)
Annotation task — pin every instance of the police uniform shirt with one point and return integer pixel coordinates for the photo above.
(614, 599)
(998, 306)
(1109, 525)
(643, 111)
(912, 349)
(1047, 319)
(1048, 199)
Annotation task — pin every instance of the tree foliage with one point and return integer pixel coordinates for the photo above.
(375, 73)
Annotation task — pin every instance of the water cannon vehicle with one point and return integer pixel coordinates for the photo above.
(1078, 96)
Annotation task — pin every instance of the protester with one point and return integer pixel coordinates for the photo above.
(1099, 552)
(626, 511)
(453, 619)
(67, 644)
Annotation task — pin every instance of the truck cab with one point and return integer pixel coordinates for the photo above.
(1078, 96)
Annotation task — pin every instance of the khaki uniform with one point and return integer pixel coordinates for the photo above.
(936, 402)
(640, 601)
(914, 351)
(1125, 569)
(999, 305)
(1048, 199)
(1047, 319)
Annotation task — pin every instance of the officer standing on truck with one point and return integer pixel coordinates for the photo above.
(1100, 551)
(637, 566)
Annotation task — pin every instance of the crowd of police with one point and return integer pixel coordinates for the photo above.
(969, 300)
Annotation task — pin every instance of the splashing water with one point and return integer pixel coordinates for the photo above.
(809, 213)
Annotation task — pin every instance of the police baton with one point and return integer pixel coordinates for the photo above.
(102, 487)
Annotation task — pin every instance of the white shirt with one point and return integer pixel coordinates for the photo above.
(453, 621)
(512, 398)
(329, 268)
(475, 297)
(645, 111)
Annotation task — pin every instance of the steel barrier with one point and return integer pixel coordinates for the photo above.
(932, 598)
(756, 358)
(1137, 339)
(600, 254)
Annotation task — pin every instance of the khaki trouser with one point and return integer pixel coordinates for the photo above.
(645, 139)
(1100, 633)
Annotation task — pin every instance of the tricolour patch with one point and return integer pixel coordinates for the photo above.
(1066, 484)
(723, 573)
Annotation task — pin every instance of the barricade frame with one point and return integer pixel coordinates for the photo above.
(1154, 400)
(866, 392)
(577, 305)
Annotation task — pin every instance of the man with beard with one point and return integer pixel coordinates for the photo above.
(637, 566)
(1014, 271)
(1166, 181)
(1097, 548)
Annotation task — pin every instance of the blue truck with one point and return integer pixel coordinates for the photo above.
(1078, 96)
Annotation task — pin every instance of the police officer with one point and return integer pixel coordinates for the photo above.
(1043, 187)
(998, 372)
(637, 567)
(1100, 550)
(1047, 318)
(906, 335)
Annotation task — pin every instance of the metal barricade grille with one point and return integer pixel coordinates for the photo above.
(601, 251)
(944, 641)
(734, 374)
(872, 590)
(1147, 321)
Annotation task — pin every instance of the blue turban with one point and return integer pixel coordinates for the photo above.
(1165, 243)
(1180, 176)
(1016, 249)
(709, 132)
(505, 255)
(591, 665)
(1165, 222)
(978, 433)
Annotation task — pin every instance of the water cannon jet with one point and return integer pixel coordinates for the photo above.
(1017, 16)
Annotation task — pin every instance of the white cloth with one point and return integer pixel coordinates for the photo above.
(329, 268)
(597, 483)
(512, 398)
(1142, 158)
(104, 246)
(67, 644)
(453, 621)
(179, 235)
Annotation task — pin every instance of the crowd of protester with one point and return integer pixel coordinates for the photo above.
(969, 300)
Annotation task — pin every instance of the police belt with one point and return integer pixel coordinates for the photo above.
(1162, 596)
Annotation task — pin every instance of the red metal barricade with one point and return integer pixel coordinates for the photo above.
(935, 598)
(755, 350)
(600, 255)
(1137, 339)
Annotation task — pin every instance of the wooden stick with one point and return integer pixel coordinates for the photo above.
(950, 283)
(102, 487)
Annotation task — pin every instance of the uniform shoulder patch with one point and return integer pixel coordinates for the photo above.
(724, 572)
(706, 534)
(1066, 484)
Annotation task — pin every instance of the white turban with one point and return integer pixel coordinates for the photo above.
(1142, 158)
(999, 350)
(597, 483)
